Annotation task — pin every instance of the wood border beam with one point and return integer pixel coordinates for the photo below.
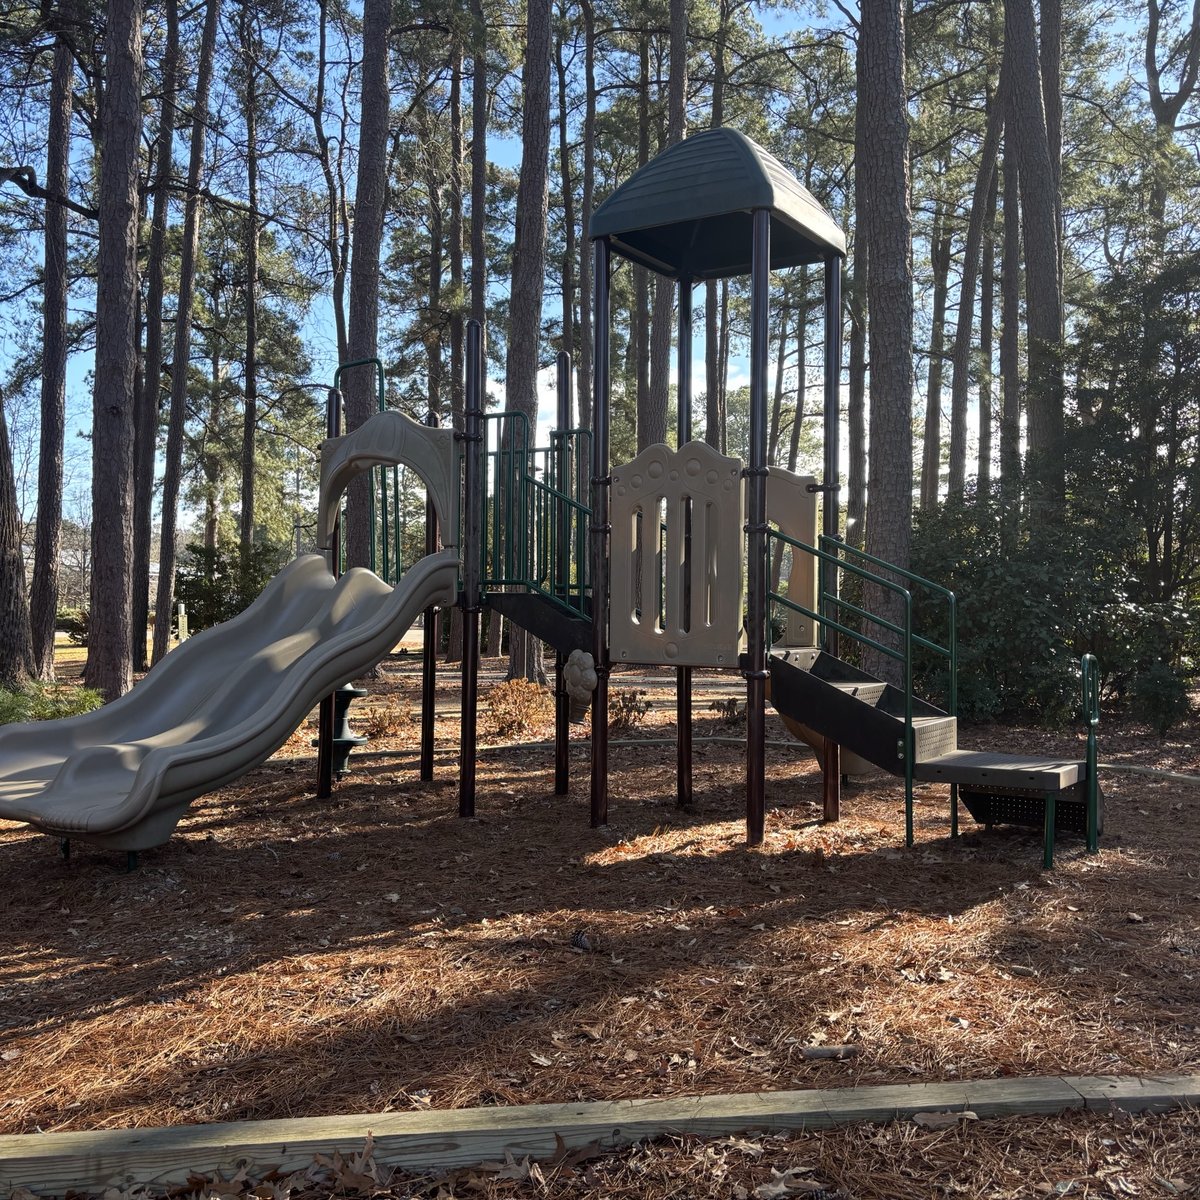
(420, 1141)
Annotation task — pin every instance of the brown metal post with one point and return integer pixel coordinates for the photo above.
(562, 571)
(831, 781)
(756, 534)
(325, 715)
(683, 675)
(600, 530)
(472, 550)
(429, 645)
(831, 505)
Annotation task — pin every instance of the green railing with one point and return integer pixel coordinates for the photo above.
(949, 652)
(536, 510)
(1089, 670)
(832, 608)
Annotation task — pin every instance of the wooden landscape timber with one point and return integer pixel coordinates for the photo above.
(54, 1163)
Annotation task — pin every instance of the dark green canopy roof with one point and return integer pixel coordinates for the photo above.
(687, 212)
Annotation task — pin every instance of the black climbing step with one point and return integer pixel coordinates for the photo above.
(855, 709)
(549, 620)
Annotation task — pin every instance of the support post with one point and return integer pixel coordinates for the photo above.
(683, 675)
(472, 551)
(831, 781)
(325, 714)
(428, 644)
(600, 530)
(561, 584)
(830, 505)
(756, 534)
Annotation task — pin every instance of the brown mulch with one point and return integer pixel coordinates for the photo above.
(284, 956)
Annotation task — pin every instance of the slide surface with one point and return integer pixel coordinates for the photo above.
(215, 707)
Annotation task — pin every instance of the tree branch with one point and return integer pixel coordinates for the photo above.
(26, 179)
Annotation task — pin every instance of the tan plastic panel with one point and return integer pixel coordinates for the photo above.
(388, 439)
(793, 510)
(666, 606)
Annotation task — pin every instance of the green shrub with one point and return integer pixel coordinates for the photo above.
(216, 585)
(1160, 698)
(74, 623)
(14, 707)
(53, 701)
(47, 702)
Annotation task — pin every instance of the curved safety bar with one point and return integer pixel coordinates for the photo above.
(387, 439)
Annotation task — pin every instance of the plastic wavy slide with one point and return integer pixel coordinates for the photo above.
(228, 698)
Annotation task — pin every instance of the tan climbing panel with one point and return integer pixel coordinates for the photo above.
(676, 556)
(792, 509)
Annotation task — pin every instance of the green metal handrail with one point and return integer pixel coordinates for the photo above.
(949, 652)
(904, 656)
(1089, 671)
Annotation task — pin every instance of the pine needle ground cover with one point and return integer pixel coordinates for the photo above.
(284, 956)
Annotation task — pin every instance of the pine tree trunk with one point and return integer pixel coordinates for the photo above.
(884, 157)
(529, 252)
(335, 225)
(985, 178)
(16, 654)
(651, 423)
(370, 198)
(714, 430)
(589, 175)
(570, 248)
(454, 635)
(181, 356)
(250, 408)
(987, 299)
(1043, 296)
(43, 599)
(931, 460)
(1010, 317)
(149, 403)
(113, 399)
(1050, 67)
(856, 382)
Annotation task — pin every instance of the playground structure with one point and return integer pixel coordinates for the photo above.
(663, 560)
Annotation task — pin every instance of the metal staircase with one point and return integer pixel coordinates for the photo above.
(905, 735)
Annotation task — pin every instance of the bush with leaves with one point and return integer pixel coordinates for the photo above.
(47, 702)
(215, 585)
(74, 623)
(1160, 698)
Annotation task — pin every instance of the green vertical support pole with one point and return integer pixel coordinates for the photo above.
(1089, 669)
(910, 738)
(1048, 832)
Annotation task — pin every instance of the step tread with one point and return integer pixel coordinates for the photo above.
(984, 768)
